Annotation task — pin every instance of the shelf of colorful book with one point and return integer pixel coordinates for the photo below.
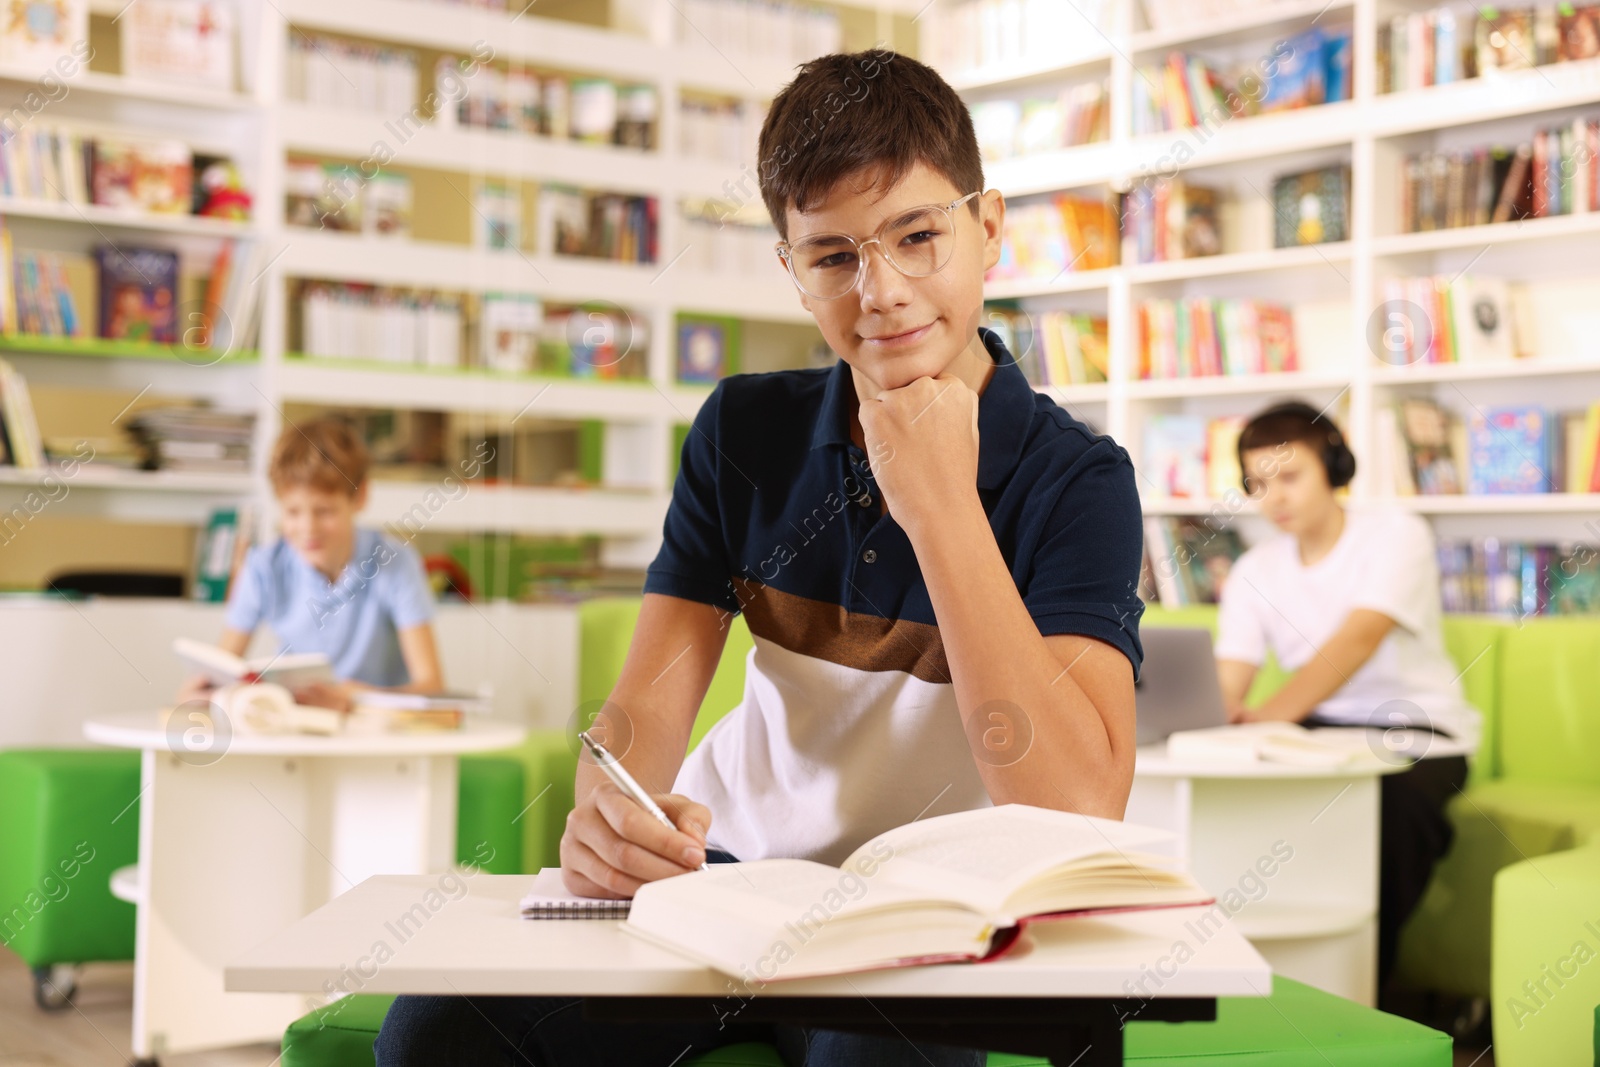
(1424, 373)
(101, 348)
(116, 218)
(116, 87)
(1250, 24)
(1529, 503)
(1238, 385)
(435, 264)
(505, 154)
(1499, 94)
(321, 380)
(1254, 262)
(529, 510)
(1530, 229)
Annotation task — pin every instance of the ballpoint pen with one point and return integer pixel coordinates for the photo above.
(624, 781)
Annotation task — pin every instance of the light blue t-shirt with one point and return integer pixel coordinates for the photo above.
(355, 621)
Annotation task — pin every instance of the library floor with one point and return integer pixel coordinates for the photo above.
(96, 1033)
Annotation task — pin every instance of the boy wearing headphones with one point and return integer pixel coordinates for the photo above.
(1348, 601)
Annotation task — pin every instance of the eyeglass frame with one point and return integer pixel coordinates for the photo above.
(783, 248)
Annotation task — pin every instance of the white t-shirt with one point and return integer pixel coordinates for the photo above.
(1382, 561)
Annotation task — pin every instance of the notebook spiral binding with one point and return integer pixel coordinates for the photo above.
(578, 909)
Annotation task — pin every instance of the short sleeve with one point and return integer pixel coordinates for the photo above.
(1085, 572)
(410, 598)
(1240, 634)
(1401, 573)
(247, 594)
(693, 561)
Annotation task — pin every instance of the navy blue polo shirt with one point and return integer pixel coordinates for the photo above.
(775, 514)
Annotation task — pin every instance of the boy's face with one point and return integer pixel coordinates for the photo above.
(891, 328)
(1291, 485)
(319, 524)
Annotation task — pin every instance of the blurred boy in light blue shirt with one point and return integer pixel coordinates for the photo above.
(327, 585)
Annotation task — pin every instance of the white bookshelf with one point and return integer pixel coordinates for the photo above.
(1334, 288)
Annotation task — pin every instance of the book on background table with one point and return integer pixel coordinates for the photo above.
(1273, 742)
(952, 888)
(292, 670)
(550, 899)
(393, 711)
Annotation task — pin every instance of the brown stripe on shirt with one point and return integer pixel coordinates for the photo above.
(829, 632)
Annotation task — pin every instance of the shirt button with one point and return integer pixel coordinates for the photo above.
(868, 556)
(865, 500)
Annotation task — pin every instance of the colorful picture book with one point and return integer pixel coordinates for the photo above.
(1312, 207)
(1458, 319)
(145, 175)
(1064, 233)
(35, 34)
(138, 293)
(707, 348)
(1426, 449)
(1174, 462)
(1511, 450)
(508, 332)
(186, 41)
(1169, 220)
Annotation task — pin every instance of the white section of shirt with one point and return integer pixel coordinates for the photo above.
(819, 758)
(1384, 561)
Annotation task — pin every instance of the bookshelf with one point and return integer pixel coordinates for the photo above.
(1334, 288)
(633, 42)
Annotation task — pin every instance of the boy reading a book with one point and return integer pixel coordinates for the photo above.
(1348, 601)
(328, 585)
(937, 563)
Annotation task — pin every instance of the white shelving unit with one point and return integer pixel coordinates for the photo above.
(1334, 288)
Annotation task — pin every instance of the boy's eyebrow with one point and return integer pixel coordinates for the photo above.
(905, 216)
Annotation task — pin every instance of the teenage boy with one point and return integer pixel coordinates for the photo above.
(328, 585)
(1349, 602)
(937, 563)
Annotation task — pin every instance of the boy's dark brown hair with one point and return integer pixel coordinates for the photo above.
(1296, 422)
(850, 111)
(324, 453)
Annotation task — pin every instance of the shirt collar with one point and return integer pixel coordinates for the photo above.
(1004, 409)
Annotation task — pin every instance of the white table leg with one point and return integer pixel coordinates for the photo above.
(234, 851)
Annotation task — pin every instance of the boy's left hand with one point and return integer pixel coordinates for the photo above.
(340, 696)
(922, 442)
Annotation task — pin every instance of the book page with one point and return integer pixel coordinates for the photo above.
(982, 857)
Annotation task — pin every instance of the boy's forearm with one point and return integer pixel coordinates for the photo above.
(996, 652)
(649, 746)
(1329, 669)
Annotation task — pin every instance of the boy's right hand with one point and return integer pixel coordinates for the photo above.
(612, 846)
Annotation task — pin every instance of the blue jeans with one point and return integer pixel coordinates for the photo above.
(482, 1031)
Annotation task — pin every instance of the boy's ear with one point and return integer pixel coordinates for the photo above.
(992, 215)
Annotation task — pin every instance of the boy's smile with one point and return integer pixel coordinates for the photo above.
(891, 328)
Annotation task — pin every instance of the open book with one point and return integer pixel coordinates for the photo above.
(291, 670)
(1274, 742)
(954, 887)
(391, 711)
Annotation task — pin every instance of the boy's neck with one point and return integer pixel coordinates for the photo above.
(1316, 542)
(338, 562)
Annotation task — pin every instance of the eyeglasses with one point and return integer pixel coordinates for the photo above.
(917, 242)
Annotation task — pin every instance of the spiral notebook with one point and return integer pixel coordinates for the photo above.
(549, 899)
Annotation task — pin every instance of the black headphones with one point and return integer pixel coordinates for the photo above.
(1337, 459)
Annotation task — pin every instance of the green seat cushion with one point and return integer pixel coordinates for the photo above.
(68, 819)
(1557, 803)
(1297, 1026)
(487, 833)
(339, 1034)
(1549, 715)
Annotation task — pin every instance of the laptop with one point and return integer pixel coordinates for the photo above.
(1178, 687)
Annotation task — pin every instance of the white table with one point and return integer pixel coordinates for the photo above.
(468, 938)
(248, 833)
(1314, 914)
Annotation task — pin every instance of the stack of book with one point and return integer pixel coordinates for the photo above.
(1187, 560)
(1200, 336)
(1064, 233)
(725, 130)
(339, 197)
(20, 443)
(1468, 319)
(337, 72)
(1078, 114)
(1445, 45)
(197, 439)
(393, 325)
(1427, 450)
(1305, 70)
(614, 226)
(1555, 173)
(1514, 578)
(1169, 220)
(1190, 457)
(63, 165)
(590, 109)
(387, 711)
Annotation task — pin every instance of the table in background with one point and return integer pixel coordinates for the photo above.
(249, 836)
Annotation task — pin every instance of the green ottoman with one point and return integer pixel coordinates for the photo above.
(1546, 953)
(490, 799)
(70, 818)
(1297, 1026)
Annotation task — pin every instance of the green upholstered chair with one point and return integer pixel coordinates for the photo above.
(1297, 1026)
(1546, 952)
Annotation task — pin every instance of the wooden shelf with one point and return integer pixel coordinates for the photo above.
(101, 348)
(1237, 385)
(98, 215)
